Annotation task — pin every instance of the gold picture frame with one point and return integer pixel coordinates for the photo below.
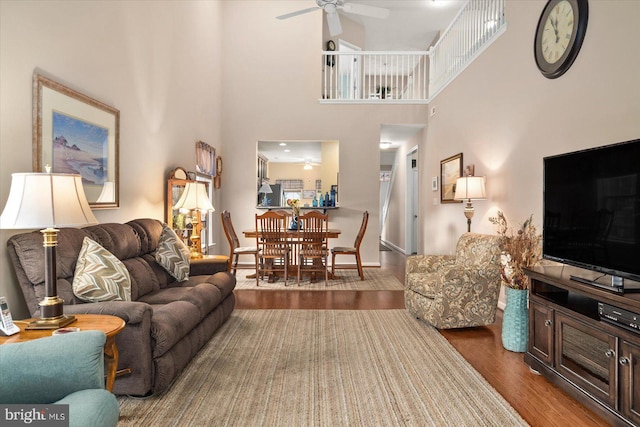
(450, 171)
(74, 133)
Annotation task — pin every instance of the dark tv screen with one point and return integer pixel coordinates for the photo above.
(592, 209)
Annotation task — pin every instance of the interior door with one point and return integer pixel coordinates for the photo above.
(349, 71)
(411, 204)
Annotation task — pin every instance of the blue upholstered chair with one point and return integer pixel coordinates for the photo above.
(62, 369)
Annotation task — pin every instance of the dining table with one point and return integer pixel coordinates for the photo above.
(292, 239)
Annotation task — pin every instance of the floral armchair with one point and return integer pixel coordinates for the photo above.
(456, 291)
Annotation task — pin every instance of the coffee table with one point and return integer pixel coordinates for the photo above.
(110, 325)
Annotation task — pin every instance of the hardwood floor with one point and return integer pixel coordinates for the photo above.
(538, 401)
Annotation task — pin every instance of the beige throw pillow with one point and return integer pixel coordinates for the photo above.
(100, 275)
(172, 254)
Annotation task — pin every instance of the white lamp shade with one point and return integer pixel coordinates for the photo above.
(470, 187)
(265, 188)
(194, 196)
(108, 194)
(41, 200)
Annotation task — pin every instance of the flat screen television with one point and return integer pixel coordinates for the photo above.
(592, 213)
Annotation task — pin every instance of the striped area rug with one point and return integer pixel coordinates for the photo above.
(375, 279)
(324, 368)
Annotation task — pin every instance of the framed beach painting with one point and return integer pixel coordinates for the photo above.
(450, 171)
(73, 133)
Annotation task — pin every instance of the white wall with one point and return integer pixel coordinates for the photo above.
(160, 66)
(504, 116)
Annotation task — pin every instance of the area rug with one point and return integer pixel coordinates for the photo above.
(376, 279)
(324, 368)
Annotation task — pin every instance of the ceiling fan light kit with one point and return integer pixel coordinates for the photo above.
(331, 8)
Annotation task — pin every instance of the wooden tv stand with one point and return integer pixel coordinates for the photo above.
(595, 361)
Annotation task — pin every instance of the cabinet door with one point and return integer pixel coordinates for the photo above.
(587, 357)
(541, 332)
(630, 380)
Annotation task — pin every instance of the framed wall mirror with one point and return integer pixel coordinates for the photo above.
(303, 170)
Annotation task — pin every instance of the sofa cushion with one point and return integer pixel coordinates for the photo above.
(119, 239)
(170, 323)
(99, 275)
(204, 297)
(172, 254)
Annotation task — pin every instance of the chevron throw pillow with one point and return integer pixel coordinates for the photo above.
(100, 275)
(172, 254)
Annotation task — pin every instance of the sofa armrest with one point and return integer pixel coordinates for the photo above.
(48, 369)
(132, 312)
(209, 265)
(428, 263)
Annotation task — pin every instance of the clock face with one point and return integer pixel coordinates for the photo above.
(559, 35)
(557, 32)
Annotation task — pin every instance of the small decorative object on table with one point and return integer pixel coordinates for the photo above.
(295, 209)
(520, 249)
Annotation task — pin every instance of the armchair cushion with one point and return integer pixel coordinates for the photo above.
(456, 292)
(61, 369)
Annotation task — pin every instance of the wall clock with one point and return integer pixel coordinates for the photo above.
(561, 30)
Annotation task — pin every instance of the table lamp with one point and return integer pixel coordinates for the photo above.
(195, 198)
(470, 187)
(265, 189)
(47, 200)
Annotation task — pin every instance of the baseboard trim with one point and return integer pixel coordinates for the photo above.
(393, 247)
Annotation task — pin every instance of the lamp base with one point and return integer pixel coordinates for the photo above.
(51, 323)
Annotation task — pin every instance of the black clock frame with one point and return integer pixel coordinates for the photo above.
(555, 70)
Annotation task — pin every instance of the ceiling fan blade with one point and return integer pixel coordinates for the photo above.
(333, 20)
(363, 9)
(299, 12)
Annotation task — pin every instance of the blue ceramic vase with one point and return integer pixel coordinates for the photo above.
(515, 320)
(295, 223)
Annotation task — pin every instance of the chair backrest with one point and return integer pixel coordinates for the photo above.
(313, 232)
(229, 231)
(479, 249)
(363, 228)
(271, 233)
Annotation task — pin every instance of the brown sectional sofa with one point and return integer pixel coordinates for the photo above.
(167, 322)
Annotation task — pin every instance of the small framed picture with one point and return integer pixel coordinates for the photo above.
(434, 183)
(450, 171)
(308, 194)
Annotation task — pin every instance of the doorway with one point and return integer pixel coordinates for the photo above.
(349, 71)
(412, 207)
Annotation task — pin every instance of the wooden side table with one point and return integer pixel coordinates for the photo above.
(110, 325)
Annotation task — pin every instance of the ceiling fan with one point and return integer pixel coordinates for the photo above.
(331, 8)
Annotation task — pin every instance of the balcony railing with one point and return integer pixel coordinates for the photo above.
(392, 77)
(478, 24)
(413, 77)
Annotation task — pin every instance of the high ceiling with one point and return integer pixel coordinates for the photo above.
(411, 25)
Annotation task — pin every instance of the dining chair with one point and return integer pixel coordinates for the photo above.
(272, 244)
(235, 250)
(313, 244)
(355, 250)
